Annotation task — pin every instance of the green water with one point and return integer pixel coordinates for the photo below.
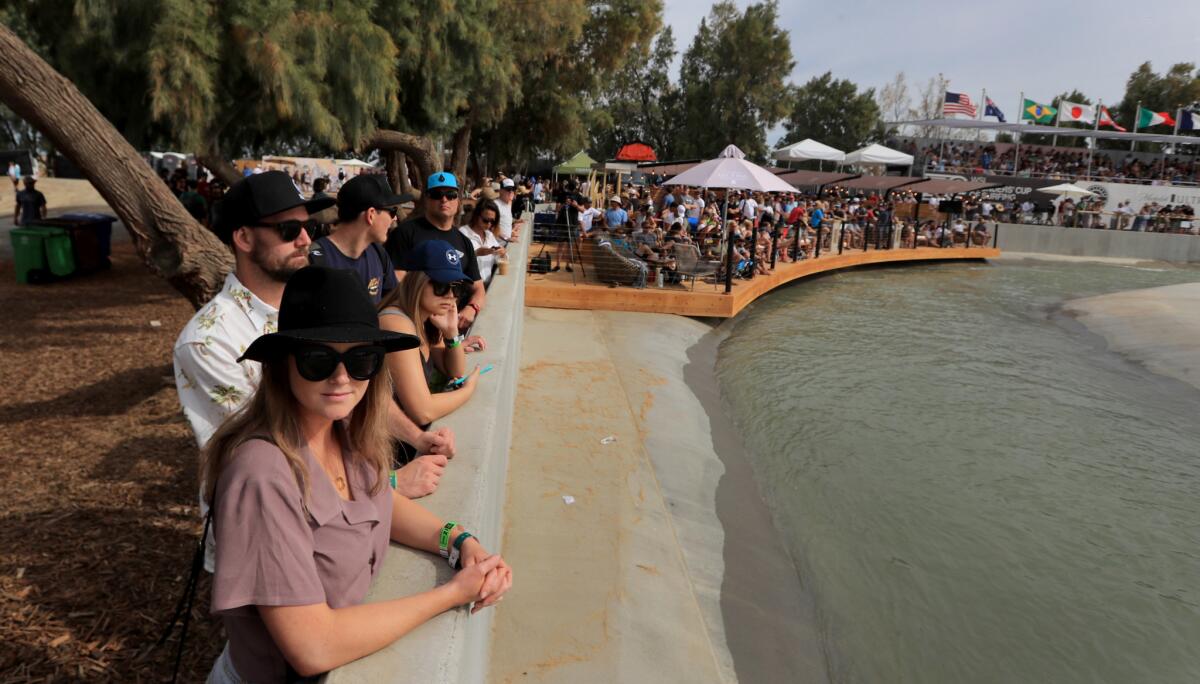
(974, 489)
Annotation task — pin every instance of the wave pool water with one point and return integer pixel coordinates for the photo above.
(974, 489)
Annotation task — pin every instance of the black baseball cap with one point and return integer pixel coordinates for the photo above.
(256, 196)
(364, 192)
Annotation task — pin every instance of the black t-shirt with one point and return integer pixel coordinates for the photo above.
(31, 202)
(412, 233)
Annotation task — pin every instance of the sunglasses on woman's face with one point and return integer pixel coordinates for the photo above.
(290, 230)
(460, 289)
(439, 195)
(316, 362)
(488, 221)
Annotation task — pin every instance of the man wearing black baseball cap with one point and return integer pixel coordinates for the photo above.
(265, 220)
(366, 213)
(439, 209)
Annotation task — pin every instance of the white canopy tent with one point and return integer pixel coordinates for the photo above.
(809, 149)
(878, 154)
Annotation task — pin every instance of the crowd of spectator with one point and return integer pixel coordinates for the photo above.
(313, 382)
(1044, 161)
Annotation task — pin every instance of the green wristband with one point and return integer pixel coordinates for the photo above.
(444, 539)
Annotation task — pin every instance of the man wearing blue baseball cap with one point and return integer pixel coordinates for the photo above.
(435, 221)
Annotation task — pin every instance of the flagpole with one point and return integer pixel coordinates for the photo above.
(1137, 115)
(1057, 118)
(942, 134)
(1020, 118)
(983, 106)
(1095, 140)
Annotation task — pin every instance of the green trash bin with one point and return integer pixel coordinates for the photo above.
(60, 252)
(42, 253)
(29, 253)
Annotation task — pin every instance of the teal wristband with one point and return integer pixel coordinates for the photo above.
(444, 539)
(456, 550)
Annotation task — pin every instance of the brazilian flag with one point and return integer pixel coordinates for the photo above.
(1037, 113)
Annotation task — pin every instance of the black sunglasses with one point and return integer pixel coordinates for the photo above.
(439, 194)
(391, 210)
(442, 289)
(488, 222)
(290, 230)
(316, 362)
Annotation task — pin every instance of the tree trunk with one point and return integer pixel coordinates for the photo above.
(404, 176)
(411, 169)
(224, 170)
(170, 241)
(419, 149)
(461, 149)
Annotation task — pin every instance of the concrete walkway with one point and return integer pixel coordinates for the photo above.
(604, 593)
(665, 567)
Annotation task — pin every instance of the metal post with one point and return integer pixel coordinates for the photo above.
(996, 236)
(841, 238)
(728, 247)
(817, 248)
(774, 245)
(1137, 114)
(917, 218)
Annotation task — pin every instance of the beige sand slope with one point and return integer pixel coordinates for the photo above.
(1158, 327)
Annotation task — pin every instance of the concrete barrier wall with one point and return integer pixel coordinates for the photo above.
(1089, 242)
(453, 647)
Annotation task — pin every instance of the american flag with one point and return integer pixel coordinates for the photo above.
(958, 103)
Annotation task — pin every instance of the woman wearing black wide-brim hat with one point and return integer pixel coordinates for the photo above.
(302, 510)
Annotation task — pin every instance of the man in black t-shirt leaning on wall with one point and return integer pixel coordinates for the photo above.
(439, 206)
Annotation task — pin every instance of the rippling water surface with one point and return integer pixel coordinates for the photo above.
(974, 489)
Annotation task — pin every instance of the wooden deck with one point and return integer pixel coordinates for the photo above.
(562, 291)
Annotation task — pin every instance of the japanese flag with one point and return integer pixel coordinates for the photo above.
(1071, 111)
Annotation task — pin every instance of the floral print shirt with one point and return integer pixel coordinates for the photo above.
(211, 382)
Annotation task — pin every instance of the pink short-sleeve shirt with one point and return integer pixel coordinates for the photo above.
(274, 548)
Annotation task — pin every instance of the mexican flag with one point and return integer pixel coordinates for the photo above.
(1037, 113)
(1148, 118)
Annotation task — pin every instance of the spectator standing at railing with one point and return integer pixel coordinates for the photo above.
(616, 216)
(480, 231)
(508, 229)
(367, 209)
(439, 209)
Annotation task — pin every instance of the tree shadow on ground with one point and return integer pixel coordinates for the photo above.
(103, 629)
(108, 397)
(129, 460)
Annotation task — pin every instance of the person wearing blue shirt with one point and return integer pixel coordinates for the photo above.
(366, 213)
(615, 217)
(816, 217)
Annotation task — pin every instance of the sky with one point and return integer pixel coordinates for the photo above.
(1042, 48)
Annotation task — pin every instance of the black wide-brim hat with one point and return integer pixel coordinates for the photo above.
(325, 305)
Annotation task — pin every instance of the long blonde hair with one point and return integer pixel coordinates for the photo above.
(407, 298)
(271, 413)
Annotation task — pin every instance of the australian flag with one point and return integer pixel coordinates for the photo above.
(990, 109)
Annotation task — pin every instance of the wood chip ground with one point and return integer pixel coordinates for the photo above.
(98, 514)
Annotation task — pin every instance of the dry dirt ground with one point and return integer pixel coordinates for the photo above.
(98, 516)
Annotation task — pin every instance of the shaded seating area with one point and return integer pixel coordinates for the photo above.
(688, 264)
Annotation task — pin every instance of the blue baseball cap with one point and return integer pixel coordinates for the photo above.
(437, 258)
(441, 179)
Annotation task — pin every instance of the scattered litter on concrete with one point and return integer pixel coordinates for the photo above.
(568, 499)
(155, 324)
(608, 440)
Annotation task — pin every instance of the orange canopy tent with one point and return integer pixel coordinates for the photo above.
(637, 151)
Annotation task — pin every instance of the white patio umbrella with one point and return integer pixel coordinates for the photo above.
(731, 171)
(1067, 190)
(809, 149)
